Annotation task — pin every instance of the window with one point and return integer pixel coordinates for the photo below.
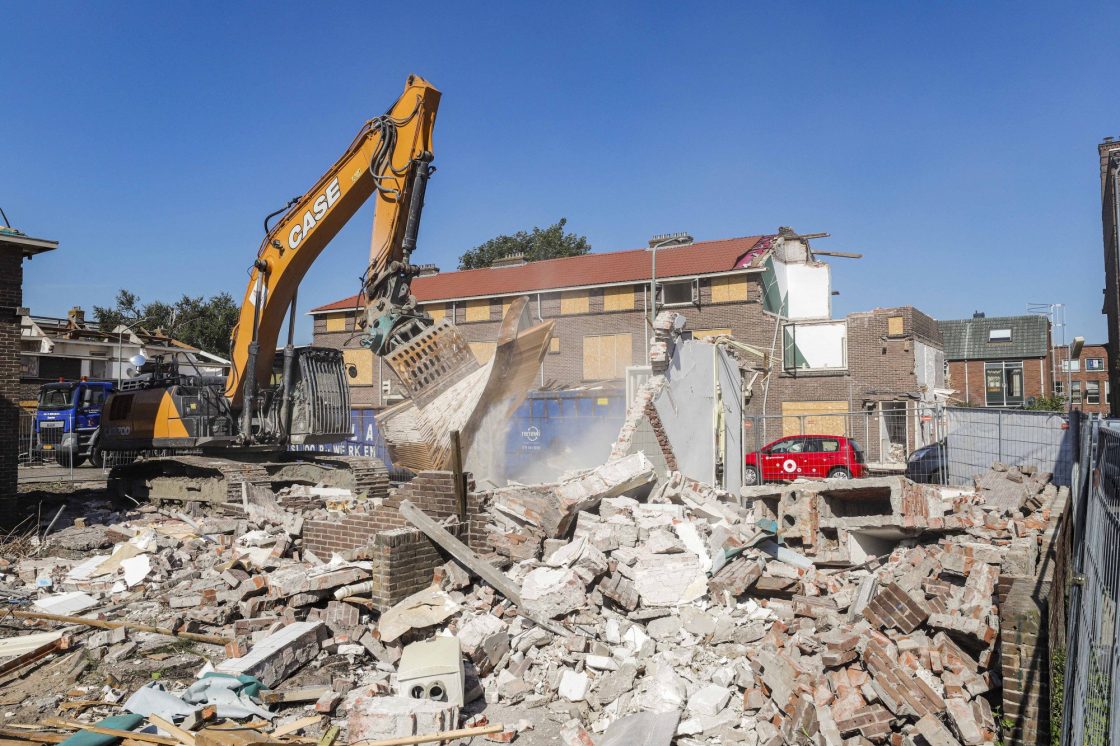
(680, 293)
(1003, 384)
(1107, 394)
(1092, 392)
(1094, 363)
(438, 311)
(793, 445)
(822, 445)
(1071, 366)
(729, 289)
(999, 335)
(575, 301)
(1075, 393)
(1059, 388)
(618, 299)
(336, 322)
(478, 310)
(896, 326)
(97, 368)
(606, 356)
(361, 360)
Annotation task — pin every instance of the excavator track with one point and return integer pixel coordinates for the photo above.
(219, 479)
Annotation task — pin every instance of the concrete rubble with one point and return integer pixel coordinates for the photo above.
(670, 604)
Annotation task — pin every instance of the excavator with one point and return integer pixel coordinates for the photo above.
(206, 437)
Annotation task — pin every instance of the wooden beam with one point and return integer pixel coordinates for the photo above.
(184, 737)
(102, 624)
(146, 737)
(297, 725)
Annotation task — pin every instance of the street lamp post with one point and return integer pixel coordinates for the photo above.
(653, 275)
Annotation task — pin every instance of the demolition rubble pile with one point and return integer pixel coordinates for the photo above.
(632, 609)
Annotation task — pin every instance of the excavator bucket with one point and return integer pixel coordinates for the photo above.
(449, 390)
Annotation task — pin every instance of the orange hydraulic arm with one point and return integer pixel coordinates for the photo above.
(390, 156)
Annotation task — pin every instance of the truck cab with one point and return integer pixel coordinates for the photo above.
(67, 419)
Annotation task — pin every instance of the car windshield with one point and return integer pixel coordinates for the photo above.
(56, 397)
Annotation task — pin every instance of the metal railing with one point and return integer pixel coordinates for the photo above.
(1091, 685)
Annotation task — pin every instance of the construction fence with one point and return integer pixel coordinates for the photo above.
(1090, 684)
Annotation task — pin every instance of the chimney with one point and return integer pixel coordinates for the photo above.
(427, 270)
(76, 316)
(977, 314)
(510, 260)
(670, 239)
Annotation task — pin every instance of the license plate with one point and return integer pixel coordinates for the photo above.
(50, 424)
(48, 447)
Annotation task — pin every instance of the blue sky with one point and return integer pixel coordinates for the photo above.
(953, 144)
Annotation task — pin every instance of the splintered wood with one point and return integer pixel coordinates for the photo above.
(470, 400)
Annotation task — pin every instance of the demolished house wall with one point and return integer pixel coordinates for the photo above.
(403, 558)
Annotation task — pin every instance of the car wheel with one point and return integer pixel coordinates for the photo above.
(750, 476)
(839, 473)
(97, 458)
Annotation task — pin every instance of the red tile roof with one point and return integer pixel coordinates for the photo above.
(702, 258)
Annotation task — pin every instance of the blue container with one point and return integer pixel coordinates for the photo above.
(556, 431)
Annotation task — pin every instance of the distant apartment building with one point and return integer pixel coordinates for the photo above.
(1084, 380)
(1003, 361)
(770, 292)
(54, 348)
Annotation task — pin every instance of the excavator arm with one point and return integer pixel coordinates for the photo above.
(389, 159)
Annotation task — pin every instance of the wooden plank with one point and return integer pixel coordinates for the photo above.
(145, 737)
(574, 302)
(32, 655)
(618, 298)
(184, 737)
(303, 694)
(446, 735)
(27, 643)
(297, 725)
(102, 624)
(35, 736)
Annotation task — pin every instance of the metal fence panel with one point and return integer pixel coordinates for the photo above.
(978, 437)
(1092, 689)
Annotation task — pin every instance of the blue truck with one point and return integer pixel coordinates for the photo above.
(67, 419)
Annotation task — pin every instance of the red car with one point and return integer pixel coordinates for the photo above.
(786, 459)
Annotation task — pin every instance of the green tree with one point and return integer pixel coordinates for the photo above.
(198, 321)
(541, 243)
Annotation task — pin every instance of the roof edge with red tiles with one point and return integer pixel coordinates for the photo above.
(703, 258)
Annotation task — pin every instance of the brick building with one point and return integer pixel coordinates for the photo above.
(999, 361)
(1109, 153)
(14, 248)
(1086, 378)
(769, 292)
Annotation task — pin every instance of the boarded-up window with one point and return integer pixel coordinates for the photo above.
(554, 346)
(362, 361)
(478, 310)
(814, 418)
(704, 333)
(483, 351)
(618, 299)
(606, 356)
(574, 301)
(895, 326)
(438, 311)
(729, 289)
(338, 322)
